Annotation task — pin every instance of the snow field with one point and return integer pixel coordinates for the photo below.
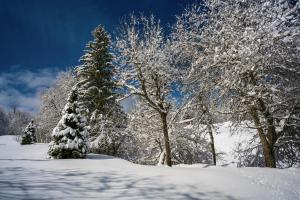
(26, 173)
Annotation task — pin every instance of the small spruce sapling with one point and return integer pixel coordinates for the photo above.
(28, 136)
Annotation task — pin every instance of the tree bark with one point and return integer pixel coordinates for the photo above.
(166, 138)
(268, 150)
(271, 134)
(212, 144)
(162, 158)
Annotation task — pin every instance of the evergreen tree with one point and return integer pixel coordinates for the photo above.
(29, 136)
(95, 75)
(69, 136)
(97, 95)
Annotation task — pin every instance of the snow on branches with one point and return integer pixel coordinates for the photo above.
(69, 136)
(249, 51)
(145, 69)
(29, 135)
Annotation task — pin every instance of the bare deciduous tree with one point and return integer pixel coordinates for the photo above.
(53, 100)
(250, 51)
(145, 68)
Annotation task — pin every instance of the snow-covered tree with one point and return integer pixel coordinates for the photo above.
(69, 136)
(95, 75)
(3, 122)
(249, 152)
(196, 114)
(97, 95)
(18, 120)
(144, 126)
(189, 144)
(29, 135)
(145, 68)
(110, 129)
(53, 100)
(198, 104)
(250, 51)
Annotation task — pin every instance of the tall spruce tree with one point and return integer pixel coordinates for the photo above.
(97, 94)
(95, 75)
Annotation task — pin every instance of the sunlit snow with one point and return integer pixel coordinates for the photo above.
(25, 173)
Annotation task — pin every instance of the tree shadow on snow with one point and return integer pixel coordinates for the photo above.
(23, 183)
(21, 159)
(99, 156)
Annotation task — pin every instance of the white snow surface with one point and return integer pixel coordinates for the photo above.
(226, 141)
(26, 173)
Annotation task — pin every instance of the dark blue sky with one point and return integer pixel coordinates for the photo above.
(39, 38)
(53, 33)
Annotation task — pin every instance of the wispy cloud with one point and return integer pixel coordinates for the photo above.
(21, 87)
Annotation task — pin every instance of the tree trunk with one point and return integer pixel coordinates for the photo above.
(272, 137)
(269, 156)
(268, 150)
(212, 144)
(162, 158)
(166, 138)
(271, 134)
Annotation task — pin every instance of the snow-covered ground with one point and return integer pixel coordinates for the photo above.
(25, 173)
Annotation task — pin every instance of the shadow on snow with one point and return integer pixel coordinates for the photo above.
(23, 183)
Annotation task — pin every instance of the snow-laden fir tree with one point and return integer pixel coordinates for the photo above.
(69, 136)
(97, 94)
(95, 76)
(29, 136)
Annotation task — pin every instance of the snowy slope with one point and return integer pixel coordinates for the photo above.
(227, 139)
(25, 173)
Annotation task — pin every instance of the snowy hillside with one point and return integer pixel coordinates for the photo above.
(226, 141)
(25, 173)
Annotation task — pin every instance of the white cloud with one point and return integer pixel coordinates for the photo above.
(30, 79)
(22, 87)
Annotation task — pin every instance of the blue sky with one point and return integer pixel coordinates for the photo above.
(39, 38)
